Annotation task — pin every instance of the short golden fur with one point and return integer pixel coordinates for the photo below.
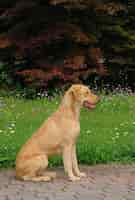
(57, 135)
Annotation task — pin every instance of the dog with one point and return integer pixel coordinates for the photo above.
(57, 135)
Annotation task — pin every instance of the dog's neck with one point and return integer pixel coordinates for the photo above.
(71, 106)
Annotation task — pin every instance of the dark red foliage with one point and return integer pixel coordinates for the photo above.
(72, 69)
(97, 60)
(47, 45)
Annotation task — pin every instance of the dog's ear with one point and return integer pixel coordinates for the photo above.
(72, 93)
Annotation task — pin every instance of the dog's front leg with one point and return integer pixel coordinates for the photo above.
(67, 160)
(75, 163)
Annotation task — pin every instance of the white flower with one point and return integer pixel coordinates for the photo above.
(12, 131)
(88, 131)
(13, 125)
(10, 128)
(117, 133)
(125, 133)
(122, 124)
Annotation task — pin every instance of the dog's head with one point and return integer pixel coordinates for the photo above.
(83, 96)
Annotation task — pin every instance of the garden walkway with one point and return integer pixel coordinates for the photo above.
(104, 182)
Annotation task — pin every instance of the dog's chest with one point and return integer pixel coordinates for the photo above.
(71, 127)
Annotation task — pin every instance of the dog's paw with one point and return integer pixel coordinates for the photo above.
(74, 178)
(51, 174)
(82, 174)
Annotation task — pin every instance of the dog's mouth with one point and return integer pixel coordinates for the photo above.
(89, 105)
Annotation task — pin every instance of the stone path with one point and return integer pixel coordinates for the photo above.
(104, 182)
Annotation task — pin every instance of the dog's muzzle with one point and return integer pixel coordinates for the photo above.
(89, 105)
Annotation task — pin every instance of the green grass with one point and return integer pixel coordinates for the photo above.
(107, 133)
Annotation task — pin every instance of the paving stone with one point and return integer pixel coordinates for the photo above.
(103, 182)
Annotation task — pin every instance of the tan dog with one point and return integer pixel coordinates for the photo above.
(57, 135)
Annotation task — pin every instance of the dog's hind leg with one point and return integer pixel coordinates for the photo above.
(50, 174)
(36, 178)
(33, 169)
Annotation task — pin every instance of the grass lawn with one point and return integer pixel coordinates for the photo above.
(107, 133)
